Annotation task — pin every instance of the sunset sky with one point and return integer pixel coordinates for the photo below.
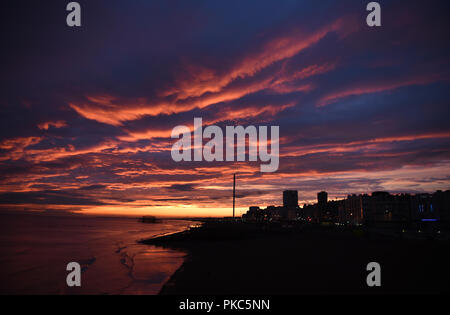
(87, 113)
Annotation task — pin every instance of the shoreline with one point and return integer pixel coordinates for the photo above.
(238, 258)
(162, 239)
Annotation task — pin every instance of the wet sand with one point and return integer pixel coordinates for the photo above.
(249, 259)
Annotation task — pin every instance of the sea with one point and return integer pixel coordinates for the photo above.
(35, 250)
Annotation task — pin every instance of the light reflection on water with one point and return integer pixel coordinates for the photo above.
(35, 249)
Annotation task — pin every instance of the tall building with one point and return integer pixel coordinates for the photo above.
(322, 198)
(290, 198)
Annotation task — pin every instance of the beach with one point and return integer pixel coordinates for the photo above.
(244, 259)
(123, 256)
(35, 250)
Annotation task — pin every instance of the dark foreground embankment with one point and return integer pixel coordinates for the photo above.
(237, 258)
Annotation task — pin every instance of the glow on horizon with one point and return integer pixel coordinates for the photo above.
(181, 211)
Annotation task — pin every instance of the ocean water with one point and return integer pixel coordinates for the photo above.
(35, 250)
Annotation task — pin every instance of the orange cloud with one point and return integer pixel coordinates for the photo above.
(17, 146)
(202, 81)
(375, 88)
(358, 145)
(45, 155)
(203, 87)
(56, 124)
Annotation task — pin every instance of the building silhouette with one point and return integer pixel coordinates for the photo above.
(288, 212)
(322, 198)
(290, 198)
(380, 209)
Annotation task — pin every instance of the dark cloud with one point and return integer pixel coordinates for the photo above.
(92, 187)
(47, 197)
(182, 187)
